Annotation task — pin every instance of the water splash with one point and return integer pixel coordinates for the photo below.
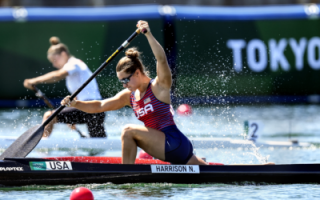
(255, 153)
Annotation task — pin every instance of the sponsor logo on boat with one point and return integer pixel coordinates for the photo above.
(51, 165)
(11, 169)
(184, 169)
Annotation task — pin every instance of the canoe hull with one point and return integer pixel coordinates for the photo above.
(17, 172)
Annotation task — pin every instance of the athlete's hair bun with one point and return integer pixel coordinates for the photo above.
(54, 40)
(131, 62)
(133, 53)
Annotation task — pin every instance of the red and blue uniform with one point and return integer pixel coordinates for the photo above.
(158, 115)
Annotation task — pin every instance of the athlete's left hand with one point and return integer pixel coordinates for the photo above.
(66, 102)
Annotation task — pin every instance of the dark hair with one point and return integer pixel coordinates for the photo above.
(131, 62)
(57, 47)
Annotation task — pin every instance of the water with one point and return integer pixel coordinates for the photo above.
(280, 123)
(169, 191)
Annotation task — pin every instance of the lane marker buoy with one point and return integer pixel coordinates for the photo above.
(81, 193)
(184, 109)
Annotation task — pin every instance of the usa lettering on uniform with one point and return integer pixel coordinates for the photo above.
(144, 111)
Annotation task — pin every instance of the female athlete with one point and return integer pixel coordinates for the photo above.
(150, 100)
(76, 73)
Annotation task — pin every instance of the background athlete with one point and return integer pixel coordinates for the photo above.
(150, 100)
(76, 73)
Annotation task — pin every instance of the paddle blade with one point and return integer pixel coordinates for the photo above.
(22, 146)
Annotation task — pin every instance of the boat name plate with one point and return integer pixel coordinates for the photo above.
(176, 169)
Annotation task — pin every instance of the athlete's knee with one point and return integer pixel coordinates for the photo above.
(128, 131)
(47, 114)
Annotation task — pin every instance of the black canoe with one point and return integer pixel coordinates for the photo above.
(38, 171)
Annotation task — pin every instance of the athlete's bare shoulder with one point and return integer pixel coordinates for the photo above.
(124, 96)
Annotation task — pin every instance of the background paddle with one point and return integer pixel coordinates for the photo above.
(50, 105)
(22, 146)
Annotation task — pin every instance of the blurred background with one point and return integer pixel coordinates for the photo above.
(161, 2)
(263, 51)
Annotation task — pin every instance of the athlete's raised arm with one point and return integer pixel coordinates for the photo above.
(50, 77)
(164, 77)
(114, 103)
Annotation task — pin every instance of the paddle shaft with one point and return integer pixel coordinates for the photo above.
(103, 65)
(42, 96)
(49, 104)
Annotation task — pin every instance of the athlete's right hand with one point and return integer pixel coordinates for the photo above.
(66, 102)
(28, 83)
(143, 26)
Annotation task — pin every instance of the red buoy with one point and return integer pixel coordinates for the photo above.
(144, 155)
(184, 109)
(81, 193)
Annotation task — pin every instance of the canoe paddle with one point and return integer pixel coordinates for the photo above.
(47, 101)
(22, 146)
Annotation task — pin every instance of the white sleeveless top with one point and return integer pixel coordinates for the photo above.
(78, 73)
